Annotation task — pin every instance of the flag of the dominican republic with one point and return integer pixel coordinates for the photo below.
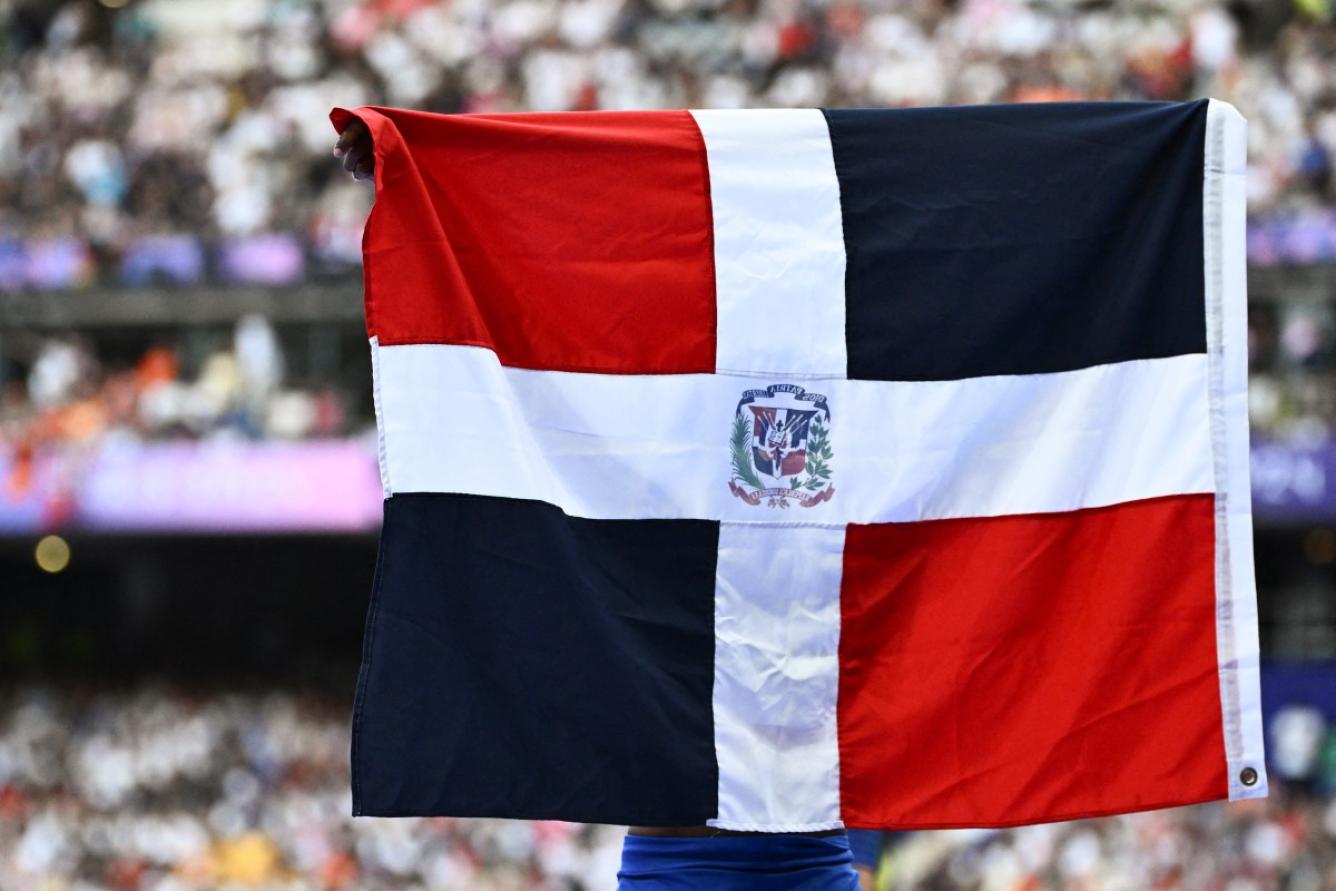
(785, 469)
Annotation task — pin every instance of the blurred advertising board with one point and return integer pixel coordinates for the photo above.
(1303, 237)
(326, 486)
(1294, 483)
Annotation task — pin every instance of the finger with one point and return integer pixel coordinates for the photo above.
(351, 159)
(353, 133)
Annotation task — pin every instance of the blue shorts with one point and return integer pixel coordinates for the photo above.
(760, 862)
(865, 845)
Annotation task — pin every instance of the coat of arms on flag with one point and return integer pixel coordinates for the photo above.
(781, 447)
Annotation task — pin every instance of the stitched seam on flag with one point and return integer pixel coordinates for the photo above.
(839, 670)
(1213, 213)
(703, 155)
(788, 375)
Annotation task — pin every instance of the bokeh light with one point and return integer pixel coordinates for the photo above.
(52, 554)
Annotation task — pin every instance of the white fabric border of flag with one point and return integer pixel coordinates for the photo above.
(1225, 251)
(611, 446)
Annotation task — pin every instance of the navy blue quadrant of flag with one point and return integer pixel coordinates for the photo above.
(954, 222)
(584, 675)
(786, 469)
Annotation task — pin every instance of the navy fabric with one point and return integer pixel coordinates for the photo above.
(522, 663)
(760, 862)
(1019, 239)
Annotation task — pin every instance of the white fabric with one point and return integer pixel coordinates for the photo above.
(778, 242)
(779, 280)
(1224, 207)
(381, 462)
(609, 446)
(776, 677)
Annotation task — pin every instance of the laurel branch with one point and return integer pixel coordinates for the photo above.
(741, 447)
(818, 458)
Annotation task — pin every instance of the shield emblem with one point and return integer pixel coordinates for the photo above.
(779, 440)
(781, 447)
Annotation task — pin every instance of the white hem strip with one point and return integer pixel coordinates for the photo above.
(737, 826)
(1224, 209)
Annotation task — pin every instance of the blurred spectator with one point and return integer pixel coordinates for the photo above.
(271, 259)
(1296, 741)
(1292, 386)
(165, 259)
(70, 399)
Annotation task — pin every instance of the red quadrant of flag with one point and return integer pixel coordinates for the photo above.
(605, 264)
(975, 655)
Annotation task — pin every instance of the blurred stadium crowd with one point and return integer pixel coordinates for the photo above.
(235, 390)
(184, 144)
(171, 791)
(178, 140)
(1292, 370)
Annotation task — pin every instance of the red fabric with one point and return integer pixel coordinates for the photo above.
(1010, 670)
(593, 227)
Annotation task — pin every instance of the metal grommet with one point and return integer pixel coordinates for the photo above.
(1248, 776)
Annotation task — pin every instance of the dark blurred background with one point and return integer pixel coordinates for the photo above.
(189, 497)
